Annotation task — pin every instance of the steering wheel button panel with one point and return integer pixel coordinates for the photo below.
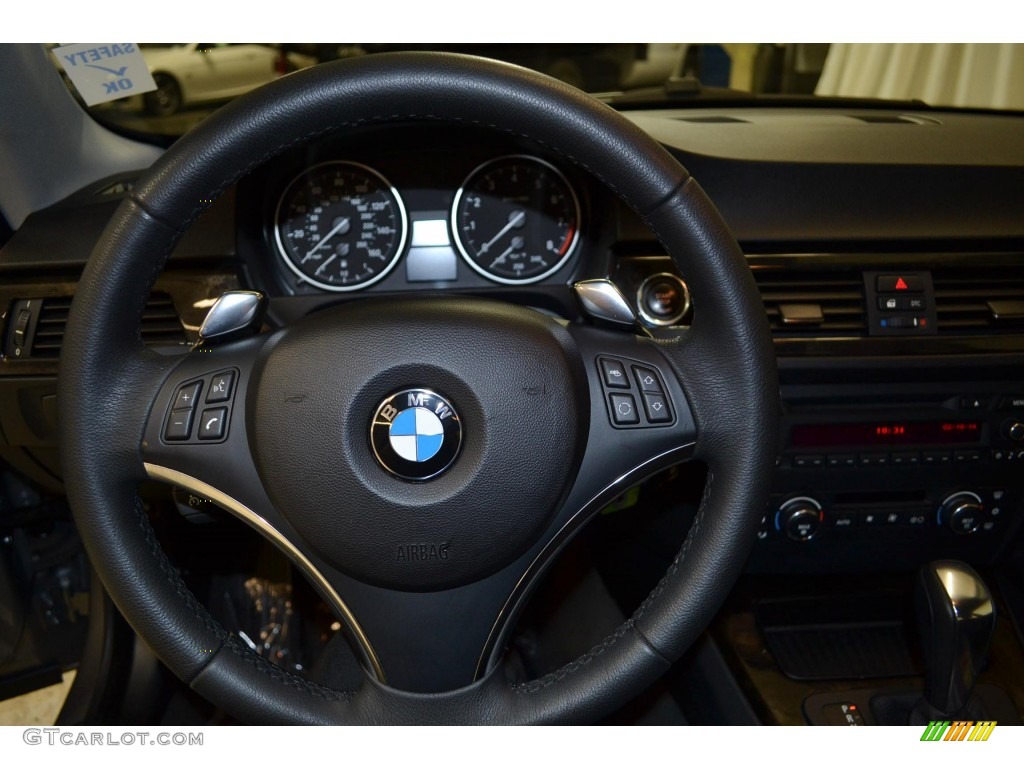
(656, 407)
(212, 424)
(184, 409)
(624, 409)
(179, 425)
(220, 387)
(647, 379)
(614, 373)
(187, 396)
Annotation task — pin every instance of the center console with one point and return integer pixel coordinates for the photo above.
(885, 477)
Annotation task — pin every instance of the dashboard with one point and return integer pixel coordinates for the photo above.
(888, 247)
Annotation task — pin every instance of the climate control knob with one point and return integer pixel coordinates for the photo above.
(800, 518)
(962, 512)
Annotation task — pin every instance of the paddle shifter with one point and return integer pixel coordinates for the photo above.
(956, 618)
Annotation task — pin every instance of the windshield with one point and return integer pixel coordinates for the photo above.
(190, 80)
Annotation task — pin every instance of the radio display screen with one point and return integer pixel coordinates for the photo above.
(885, 433)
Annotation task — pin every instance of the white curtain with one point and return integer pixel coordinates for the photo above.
(940, 74)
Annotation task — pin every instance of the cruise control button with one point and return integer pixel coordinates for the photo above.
(647, 379)
(657, 408)
(211, 424)
(614, 373)
(179, 425)
(220, 387)
(187, 396)
(624, 409)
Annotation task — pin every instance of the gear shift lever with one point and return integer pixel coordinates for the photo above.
(956, 618)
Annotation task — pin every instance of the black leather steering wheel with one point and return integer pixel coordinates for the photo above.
(539, 455)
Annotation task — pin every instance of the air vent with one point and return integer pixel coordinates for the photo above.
(161, 325)
(974, 301)
(813, 303)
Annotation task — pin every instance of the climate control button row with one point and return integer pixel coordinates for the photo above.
(802, 518)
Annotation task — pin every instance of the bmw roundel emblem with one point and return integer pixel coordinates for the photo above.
(416, 434)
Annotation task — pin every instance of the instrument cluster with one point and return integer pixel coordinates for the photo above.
(342, 225)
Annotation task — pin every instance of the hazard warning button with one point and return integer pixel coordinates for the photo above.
(900, 284)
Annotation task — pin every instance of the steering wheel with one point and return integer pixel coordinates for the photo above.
(426, 565)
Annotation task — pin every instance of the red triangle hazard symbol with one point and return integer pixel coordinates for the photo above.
(901, 284)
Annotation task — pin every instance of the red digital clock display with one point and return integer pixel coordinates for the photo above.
(889, 433)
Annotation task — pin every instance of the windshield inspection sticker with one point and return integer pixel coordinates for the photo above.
(105, 71)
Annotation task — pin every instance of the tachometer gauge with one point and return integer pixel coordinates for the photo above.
(340, 226)
(516, 219)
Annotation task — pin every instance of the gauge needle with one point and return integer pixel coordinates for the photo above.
(323, 266)
(501, 258)
(323, 240)
(517, 217)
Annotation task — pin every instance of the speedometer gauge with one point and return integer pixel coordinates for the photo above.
(340, 226)
(516, 219)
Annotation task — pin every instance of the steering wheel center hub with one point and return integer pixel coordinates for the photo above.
(387, 433)
(416, 434)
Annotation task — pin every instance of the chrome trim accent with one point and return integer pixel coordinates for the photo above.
(602, 300)
(797, 501)
(943, 514)
(665, 321)
(234, 311)
(967, 593)
(564, 534)
(246, 515)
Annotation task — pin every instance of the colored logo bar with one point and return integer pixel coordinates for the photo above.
(959, 730)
